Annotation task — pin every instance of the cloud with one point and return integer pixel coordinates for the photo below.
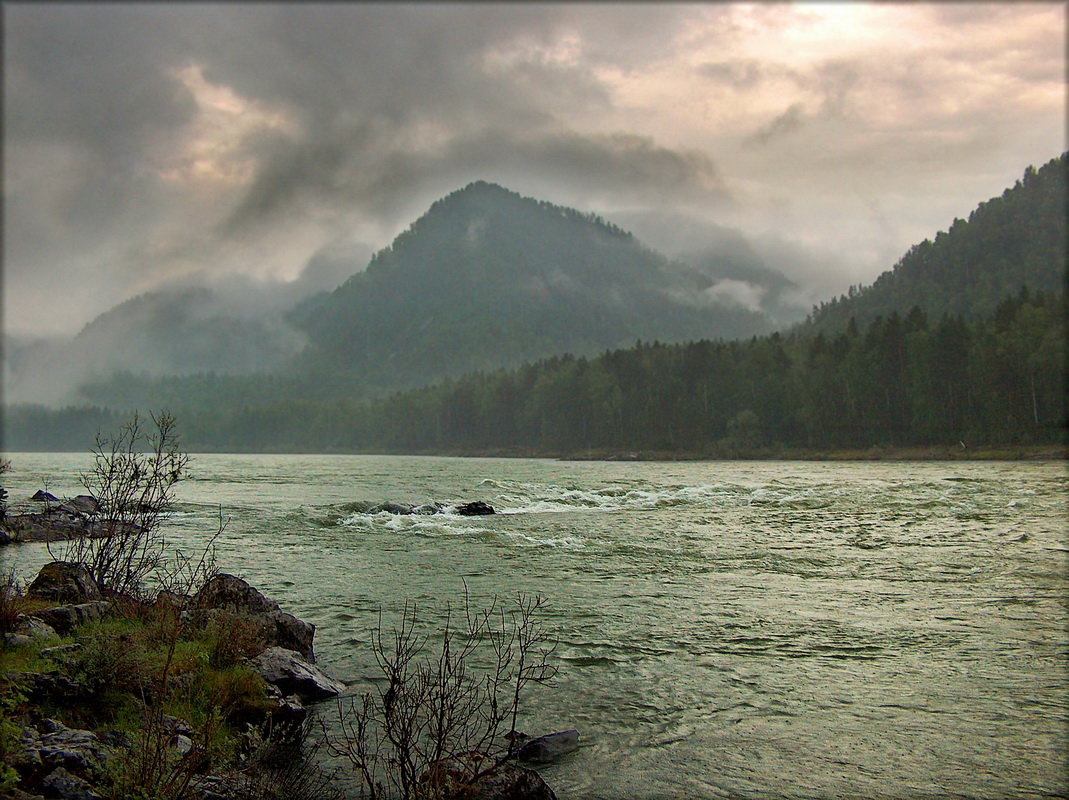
(152, 144)
(783, 124)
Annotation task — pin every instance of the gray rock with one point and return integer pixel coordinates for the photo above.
(475, 776)
(166, 599)
(181, 744)
(59, 652)
(61, 783)
(42, 687)
(42, 496)
(36, 628)
(212, 787)
(79, 751)
(66, 618)
(285, 630)
(234, 594)
(64, 582)
(293, 674)
(230, 593)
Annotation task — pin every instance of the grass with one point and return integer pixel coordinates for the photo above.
(135, 667)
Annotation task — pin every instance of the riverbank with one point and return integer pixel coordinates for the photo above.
(875, 453)
(170, 697)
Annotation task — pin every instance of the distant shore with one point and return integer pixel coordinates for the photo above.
(916, 453)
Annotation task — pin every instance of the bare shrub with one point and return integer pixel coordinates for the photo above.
(10, 603)
(133, 476)
(442, 697)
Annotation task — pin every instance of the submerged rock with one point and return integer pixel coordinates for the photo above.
(83, 504)
(548, 747)
(57, 525)
(392, 508)
(428, 508)
(475, 776)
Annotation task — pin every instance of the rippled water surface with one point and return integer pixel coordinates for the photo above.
(772, 630)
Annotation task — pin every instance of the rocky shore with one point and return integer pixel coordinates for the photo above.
(103, 693)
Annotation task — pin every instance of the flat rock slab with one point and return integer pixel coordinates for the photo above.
(55, 526)
(294, 674)
(65, 619)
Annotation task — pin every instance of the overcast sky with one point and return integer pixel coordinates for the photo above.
(160, 143)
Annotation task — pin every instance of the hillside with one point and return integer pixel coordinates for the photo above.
(168, 332)
(487, 278)
(1012, 241)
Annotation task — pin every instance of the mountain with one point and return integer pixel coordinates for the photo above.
(487, 278)
(1014, 241)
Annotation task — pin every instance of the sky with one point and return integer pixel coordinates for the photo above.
(278, 145)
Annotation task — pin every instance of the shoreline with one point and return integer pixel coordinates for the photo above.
(876, 453)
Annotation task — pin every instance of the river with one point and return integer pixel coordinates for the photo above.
(725, 629)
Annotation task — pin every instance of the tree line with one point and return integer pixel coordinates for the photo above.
(899, 381)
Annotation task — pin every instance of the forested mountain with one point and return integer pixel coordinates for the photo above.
(487, 278)
(886, 376)
(1009, 242)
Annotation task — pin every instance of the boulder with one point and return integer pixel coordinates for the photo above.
(234, 594)
(45, 687)
(65, 619)
(34, 628)
(476, 776)
(230, 593)
(42, 496)
(474, 509)
(64, 582)
(294, 674)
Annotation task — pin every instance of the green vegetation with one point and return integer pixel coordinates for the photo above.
(1017, 239)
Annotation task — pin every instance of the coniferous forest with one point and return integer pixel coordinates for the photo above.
(900, 381)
